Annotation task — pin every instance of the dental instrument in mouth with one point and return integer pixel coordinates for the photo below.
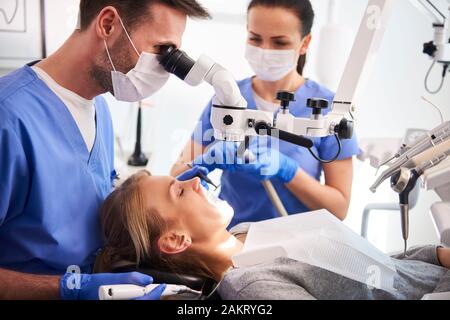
(204, 177)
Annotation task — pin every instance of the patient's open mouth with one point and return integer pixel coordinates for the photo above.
(206, 195)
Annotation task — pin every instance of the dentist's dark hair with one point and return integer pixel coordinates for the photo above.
(302, 9)
(134, 11)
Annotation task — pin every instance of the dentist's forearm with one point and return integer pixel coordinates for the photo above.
(23, 286)
(317, 196)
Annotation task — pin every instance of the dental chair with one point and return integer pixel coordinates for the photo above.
(205, 287)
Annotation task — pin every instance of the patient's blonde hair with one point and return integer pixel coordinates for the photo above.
(131, 233)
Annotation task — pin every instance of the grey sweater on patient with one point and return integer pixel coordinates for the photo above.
(286, 279)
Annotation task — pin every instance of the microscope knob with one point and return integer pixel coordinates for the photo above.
(228, 120)
(317, 105)
(429, 48)
(285, 97)
(344, 129)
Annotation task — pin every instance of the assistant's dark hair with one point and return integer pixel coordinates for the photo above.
(304, 11)
(134, 11)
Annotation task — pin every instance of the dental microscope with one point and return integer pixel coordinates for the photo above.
(231, 119)
(233, 122)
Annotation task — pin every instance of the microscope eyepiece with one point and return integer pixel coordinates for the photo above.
(176, 62)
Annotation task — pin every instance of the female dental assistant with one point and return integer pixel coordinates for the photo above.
(278, 40)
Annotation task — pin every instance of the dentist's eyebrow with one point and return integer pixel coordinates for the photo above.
(280, 37)
(255, 34)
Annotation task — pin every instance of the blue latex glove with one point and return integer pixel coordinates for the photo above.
(196, 171)
(261, 162)
(75, 286)
(155, 294)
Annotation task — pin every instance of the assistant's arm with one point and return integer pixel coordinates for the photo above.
(334, 195)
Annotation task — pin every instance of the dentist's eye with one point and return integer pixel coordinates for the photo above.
(164, 49)
(281, 44)
(255, 40)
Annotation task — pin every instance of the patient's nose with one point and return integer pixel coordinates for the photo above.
(196, 182)
(193, 183)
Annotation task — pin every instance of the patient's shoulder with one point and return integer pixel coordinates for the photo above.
(240, 228)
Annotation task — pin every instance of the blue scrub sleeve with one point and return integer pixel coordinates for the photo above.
(14, 174)
(204, 133)
(329, 147)
(100, 100)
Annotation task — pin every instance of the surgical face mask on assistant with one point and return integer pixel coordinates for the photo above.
(146, 78)
(226, 211)
(271, 65)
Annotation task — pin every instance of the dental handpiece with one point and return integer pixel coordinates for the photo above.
(403, 183)
(436, 142)
(130, 291)
(414, 157)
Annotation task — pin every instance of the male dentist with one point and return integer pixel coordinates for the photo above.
(56, 144)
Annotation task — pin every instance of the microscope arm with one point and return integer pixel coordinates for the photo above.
(429, 9)
(226, 90)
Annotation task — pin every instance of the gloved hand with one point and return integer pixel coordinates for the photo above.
(155, 294)
(259, 161)
(75, 286)
(195, 172)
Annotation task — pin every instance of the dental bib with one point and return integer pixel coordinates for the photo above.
(318, 238)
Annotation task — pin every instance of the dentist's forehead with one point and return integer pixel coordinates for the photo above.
(166, 25)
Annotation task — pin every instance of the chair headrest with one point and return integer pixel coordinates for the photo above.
(205, 285)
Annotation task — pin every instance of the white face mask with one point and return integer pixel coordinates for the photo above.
(271, 65)
(146, 78)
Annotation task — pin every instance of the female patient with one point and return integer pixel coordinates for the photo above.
(172, 226)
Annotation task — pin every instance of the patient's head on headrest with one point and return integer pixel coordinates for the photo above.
(161, 223)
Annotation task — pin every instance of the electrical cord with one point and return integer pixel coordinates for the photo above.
(428, 76)
(436, 107)
(334, 158)
(209, 294)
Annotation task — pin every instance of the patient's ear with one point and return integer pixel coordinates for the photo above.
(174, 242)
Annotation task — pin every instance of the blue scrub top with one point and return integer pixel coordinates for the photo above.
(51, 187)
(244, 192)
